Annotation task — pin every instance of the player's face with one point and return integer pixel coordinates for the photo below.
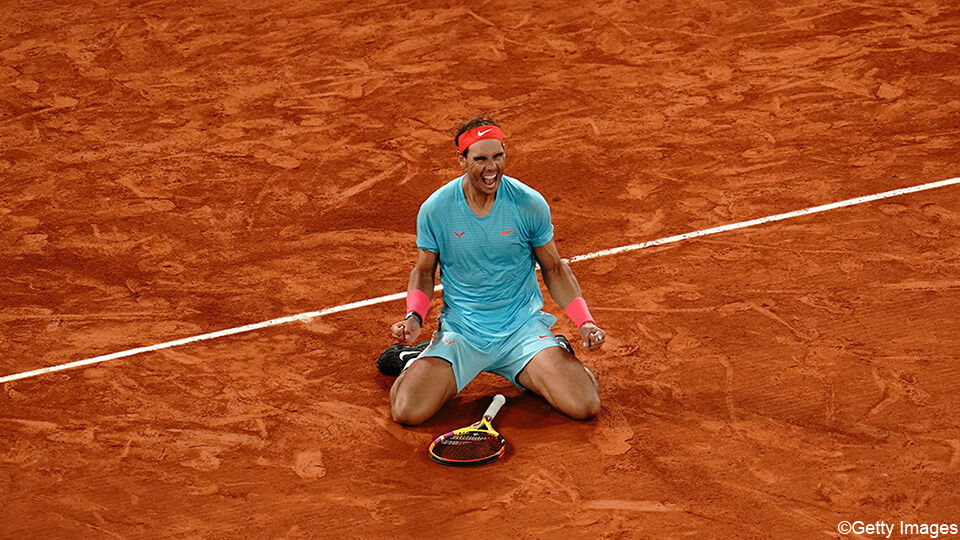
(484, 165)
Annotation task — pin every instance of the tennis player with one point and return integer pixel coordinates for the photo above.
(486, 232)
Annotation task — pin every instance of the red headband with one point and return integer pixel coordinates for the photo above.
(478, 134)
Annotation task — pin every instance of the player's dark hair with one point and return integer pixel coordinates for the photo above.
(474, 122)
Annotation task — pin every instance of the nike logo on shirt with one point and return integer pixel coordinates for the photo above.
(507, 232)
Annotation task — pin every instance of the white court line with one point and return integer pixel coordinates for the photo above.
(768, 219)
(389, 298)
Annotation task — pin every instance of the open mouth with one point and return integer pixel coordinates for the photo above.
(489, 179)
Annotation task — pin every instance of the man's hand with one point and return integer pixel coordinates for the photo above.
(591, 336)
(406, 331)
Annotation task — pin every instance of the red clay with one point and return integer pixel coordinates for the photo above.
(171, 169)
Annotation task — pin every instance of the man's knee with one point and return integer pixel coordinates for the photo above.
(414, 400)
(408, 412)
(584, 409)
(584, 398)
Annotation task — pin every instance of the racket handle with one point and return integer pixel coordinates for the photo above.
(494, 408)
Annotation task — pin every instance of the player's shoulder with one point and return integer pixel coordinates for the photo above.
(443, 196)
(525, 197)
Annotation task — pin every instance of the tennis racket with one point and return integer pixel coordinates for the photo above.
(475, 444)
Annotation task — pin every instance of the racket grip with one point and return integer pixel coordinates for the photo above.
(494, 408)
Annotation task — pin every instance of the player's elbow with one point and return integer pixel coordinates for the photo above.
(555, 271)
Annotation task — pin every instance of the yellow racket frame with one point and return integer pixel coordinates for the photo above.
(483, 426)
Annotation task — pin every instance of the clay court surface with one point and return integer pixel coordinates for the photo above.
(169, 169)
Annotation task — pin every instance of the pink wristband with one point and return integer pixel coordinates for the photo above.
(578, 312)
(418, 302)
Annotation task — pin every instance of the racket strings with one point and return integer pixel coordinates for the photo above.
(468, 446)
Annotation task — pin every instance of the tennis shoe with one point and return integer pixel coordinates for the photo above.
(564, 343)
(395, 358)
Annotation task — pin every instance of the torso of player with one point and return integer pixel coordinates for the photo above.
(487, 264)
(499, 237)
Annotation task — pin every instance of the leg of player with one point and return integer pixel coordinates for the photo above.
(563, 381)
(421, 390)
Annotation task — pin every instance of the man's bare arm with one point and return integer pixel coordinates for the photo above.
(424, 272)
(557, 275)
(564, 288)
(422, 277)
